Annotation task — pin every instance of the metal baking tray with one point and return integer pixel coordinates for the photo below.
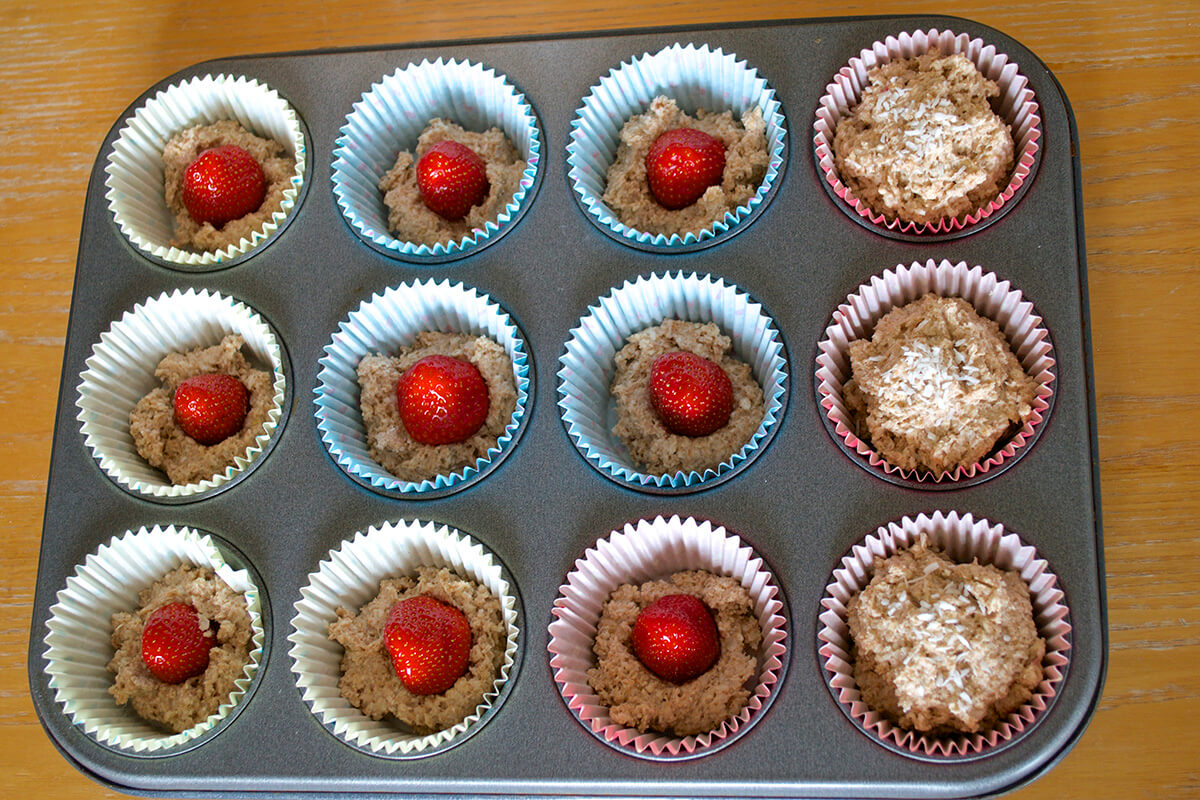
(802, 504)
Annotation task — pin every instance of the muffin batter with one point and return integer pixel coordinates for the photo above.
(628, 192)
(941, 647)
(388, 441)
(181, 706)
(183, 148)
(936, 386)
(923, 143)
(654, 448)
(369, 681)
(408, 216)
(638, 698)
(161, 441)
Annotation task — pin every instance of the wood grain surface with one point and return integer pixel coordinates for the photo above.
(1131, 69)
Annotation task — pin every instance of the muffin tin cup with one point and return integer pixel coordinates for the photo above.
(78, 641)
(642, 551)
(120, 372)
(587, 367)
(992, 298)
(696, 78)
(391, 116)
(385, 323)
(963, 538)
(1016, 106)
(350, 578)
(134, 169)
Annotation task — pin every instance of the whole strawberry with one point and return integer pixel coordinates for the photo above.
(223, 184)
(675, 638)
(174, 646)
(682, 164)
(442, 400)
(692, 395)
(429, 643)
(451, 179)
(211, 407)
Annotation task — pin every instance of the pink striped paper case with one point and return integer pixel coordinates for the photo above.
(1016, 106)
(645, 550)
(991, 297)
(963, 538)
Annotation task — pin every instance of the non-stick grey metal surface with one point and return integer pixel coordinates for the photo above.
(802, 503)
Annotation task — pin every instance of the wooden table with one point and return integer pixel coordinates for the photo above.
(1131, 70)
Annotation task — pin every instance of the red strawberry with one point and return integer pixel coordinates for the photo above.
(429, 642)
(174, 647)
(212, 407)
(692, 395)
(682, 164)
(223, 184)
(442, 400)
(451, 179)
(675, 638)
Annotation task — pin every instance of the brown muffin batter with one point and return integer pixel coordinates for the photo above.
(369, 681)
(389, 442)
(408, 216)
(923, 143)
(183, 148)
(163, 443)
(936, 386)
(654, 448)
(183, 705)
(628, 192)
(941, 647)
(638, 698)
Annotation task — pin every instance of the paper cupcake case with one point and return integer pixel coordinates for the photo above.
(350, 578)
(1016, 105)
(695, 77)
(963, 538)
(134, 167)
(79, 630)
(587, 367)
(391, 116)
(120, 372)
(391, 320)
(991, 298)
(642, 551)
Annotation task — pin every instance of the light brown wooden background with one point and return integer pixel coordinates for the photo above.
(1131, 69)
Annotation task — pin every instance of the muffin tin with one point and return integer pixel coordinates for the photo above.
(802, 504)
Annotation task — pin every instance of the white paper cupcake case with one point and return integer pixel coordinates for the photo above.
(120, 372)
(1016, 106)
(646, 550)
(695, 77)
(587, 368)
(134, 172)
(992, 298)
(391, 116)
(385, 323)
(350, 578)
(78, 642)
(963, 538)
